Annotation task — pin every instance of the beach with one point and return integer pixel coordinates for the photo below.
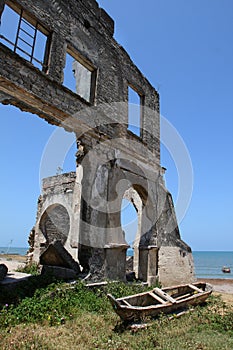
(12, 261)
(223, 287)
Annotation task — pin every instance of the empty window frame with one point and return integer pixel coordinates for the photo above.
(24, 35)
(135, 103)
(79, 76)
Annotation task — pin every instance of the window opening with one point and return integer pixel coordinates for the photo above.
(79, 76)
(134, 111)
(25, 36)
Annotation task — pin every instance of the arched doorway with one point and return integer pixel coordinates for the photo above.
(131, 217)
(129, 223)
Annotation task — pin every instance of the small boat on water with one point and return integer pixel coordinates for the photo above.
(226, 269)
(166, 300)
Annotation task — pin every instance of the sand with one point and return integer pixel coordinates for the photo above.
(222, 285)
(12, 261)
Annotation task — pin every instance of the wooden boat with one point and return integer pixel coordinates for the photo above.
(226, 269)
(166, 300)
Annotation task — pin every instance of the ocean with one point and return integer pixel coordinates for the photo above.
(13, 250)
(207, 264)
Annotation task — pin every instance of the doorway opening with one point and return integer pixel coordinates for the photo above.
(129, 222)
(131, 217)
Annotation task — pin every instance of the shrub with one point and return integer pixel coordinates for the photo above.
(31, 268)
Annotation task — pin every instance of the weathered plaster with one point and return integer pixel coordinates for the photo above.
(112, 162)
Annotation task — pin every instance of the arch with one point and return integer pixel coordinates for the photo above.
(132, 196)
(129, 221)
(55, 223)
(141, 192)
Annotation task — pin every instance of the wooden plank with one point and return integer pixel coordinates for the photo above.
(126, 302)
(164, 295)
(183, 296)
(195, 288)
(157, 298)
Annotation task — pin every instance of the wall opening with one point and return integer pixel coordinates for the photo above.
(25, 36)
(79, 76)
(129, 223)
(135, 102)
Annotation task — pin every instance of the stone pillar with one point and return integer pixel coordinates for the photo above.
(148, 264)
(115, 261)
(151, 123)
(76, 206)
(152, 273)
(57, 58)
(143, 264)
(136, 261)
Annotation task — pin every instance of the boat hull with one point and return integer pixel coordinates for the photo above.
(226, 270)
(167, 300)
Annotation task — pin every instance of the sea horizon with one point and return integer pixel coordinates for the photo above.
(193, 251)
(208, 263)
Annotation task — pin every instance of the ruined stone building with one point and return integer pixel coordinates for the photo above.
(115, 159)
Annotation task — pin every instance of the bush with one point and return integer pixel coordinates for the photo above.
(53, 305)
(31, 268)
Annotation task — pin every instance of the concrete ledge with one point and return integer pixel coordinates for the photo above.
(116, 246)
(14, 277)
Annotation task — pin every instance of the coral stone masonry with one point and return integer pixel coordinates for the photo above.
(64, 65)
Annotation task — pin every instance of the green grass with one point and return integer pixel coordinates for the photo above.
(56, 316)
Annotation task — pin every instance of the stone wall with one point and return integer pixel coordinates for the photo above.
(82, 209)
(94, 43)
(55, 213)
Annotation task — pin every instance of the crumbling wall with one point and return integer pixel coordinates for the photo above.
(88, 31)
(55, 213)
(82, 209)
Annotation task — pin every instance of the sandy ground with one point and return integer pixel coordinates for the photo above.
(12, 261)
(221, 286)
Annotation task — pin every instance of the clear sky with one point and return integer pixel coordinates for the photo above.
(185, 49)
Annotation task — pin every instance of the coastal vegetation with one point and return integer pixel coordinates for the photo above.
(31, 268)
(45, 314)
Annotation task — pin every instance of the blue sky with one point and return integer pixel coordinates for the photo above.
(185, 49)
